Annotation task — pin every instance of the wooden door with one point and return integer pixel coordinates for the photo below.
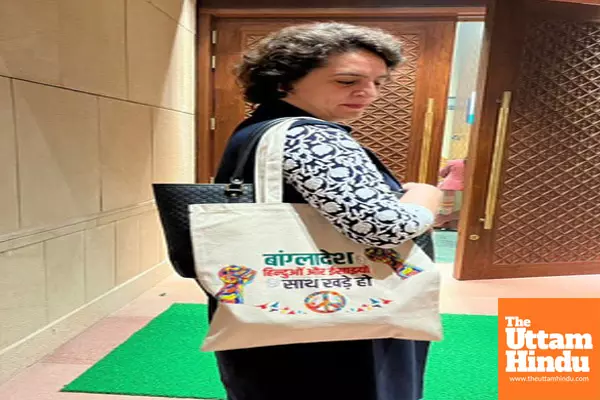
(394, 126)
(532, 206)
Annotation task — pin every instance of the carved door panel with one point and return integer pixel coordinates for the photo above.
(533, 207)
(395, 124)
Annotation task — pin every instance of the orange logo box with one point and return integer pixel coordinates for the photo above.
(549, 349)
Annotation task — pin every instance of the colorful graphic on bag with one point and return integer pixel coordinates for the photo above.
(393, 259)
(314, 271)
(235, 279)
(325, 302)
(277, 308)
(374, 303)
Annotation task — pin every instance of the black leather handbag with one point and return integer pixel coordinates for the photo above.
(173, 199)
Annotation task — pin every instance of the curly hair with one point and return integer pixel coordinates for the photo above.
(268, 71)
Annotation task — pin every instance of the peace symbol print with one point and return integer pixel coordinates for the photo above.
(325, 302)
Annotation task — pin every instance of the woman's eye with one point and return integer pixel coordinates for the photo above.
(346, 82)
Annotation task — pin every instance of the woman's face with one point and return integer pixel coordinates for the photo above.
(343, 89)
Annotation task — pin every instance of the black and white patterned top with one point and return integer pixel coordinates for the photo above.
(335, 175)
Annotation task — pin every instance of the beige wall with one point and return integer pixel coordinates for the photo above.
(96, 103)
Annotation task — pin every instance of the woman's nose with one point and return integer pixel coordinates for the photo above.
(369, 90)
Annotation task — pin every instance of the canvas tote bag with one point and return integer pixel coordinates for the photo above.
(282, 274)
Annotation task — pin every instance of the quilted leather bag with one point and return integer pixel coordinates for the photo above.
(174, 199)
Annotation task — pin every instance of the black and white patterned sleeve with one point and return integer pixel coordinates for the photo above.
(336, 176)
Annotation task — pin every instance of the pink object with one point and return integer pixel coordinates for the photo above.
(454, 175)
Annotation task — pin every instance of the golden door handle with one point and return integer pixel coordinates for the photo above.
(426, 144)
(496, 171)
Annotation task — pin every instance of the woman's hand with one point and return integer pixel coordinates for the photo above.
(422, 194)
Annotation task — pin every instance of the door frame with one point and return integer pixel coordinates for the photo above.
(204, 52)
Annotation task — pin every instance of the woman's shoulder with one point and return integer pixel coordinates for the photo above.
(319, 124)
(315, 133)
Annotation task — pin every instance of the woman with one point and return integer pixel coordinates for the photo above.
(332, 72)
(452, 187)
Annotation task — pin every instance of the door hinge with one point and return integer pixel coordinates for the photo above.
(213, 37)
(213, 62)
(213, 124)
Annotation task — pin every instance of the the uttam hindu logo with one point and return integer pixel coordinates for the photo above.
(525, 342)
(548, 349)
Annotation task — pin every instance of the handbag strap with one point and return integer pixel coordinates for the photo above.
(268, 167)
(237, 177)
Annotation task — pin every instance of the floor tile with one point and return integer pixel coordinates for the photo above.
(97, 341)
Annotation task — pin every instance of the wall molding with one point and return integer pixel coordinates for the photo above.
(27, 237)
(98, 95)
(34, 347)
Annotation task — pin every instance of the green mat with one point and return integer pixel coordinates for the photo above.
(162, 359)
